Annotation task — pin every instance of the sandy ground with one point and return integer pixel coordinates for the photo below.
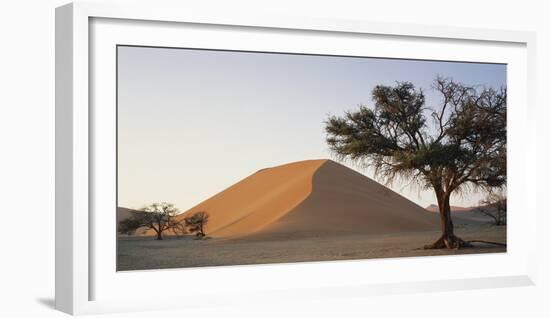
(140, 253)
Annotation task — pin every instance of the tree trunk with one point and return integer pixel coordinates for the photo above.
(159, 235)
(447, 226)
(448, 239)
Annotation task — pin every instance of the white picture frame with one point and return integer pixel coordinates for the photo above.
(77, 269)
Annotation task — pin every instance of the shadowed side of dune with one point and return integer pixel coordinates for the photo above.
(344, 201)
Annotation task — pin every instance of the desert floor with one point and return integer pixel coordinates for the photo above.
(139, 253)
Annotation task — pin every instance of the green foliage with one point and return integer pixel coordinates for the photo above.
(465, 146)
(157, 216)
(130, 225)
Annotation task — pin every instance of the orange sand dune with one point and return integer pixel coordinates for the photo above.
(310, 198)
(258, 200)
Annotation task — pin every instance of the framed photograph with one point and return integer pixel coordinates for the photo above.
(272, 158)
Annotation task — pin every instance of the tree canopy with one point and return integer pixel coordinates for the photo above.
(158, 216)
(196, 223)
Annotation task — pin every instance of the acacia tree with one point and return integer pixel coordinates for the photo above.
(464, 148)
(494, 206)
(196, 223)
(158, 216)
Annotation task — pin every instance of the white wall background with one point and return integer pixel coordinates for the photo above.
(27, 158)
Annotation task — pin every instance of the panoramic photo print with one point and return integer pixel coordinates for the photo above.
(235, 158)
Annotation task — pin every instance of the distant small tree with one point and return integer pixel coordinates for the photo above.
(196, 222)
(494, 206)
(158, 216)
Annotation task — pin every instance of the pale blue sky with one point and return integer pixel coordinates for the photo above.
(193, 122)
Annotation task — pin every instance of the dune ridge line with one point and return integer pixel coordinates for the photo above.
(259, 199)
